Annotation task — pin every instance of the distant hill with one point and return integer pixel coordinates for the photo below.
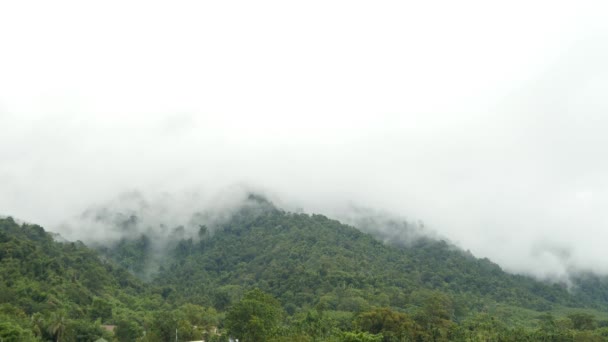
(308, 260)
(264, 274)
(55, 290)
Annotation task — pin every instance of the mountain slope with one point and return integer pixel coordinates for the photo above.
(54, 290)
(315, 278)
(308, 260)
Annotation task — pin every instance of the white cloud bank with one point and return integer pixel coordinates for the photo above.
(484, 119)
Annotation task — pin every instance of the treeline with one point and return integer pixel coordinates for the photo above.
(260, 317)
(305, 260)
(269, 275)
(62, 291)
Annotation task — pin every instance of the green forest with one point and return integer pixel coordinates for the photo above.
(266, 274)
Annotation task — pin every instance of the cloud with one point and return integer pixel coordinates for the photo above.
(484, 121)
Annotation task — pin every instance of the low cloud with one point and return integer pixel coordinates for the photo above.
(494, 137)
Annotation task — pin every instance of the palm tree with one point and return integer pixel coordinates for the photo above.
(38, 324)
(57, 325)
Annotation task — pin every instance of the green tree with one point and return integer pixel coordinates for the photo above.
(255, 318)
(127, 330)
(393, 325)
(12, 332)
(57, 325)
(360, 337)
(100, 309)
(582, 321)
(315, 324)
(83, 330)
(163, 328)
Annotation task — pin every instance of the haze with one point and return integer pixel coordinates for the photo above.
(486, 120)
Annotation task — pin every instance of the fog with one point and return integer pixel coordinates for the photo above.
(485, 121)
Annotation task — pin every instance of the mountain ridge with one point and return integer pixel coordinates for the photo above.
(304, 265)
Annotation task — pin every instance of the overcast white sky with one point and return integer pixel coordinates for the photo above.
(485, 119)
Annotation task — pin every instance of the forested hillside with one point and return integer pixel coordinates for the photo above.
(301, 258)
(265, 274)
(64, 291)
(309, 259)
(312, 262)
(51, 290)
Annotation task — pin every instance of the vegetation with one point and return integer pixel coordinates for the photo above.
(269, 275)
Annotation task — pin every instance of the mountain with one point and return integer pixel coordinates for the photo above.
(261, 273)
(58, 290)
(310, 261)
(306, 260)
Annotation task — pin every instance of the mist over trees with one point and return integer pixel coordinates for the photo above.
(340, 171)
(265, 274)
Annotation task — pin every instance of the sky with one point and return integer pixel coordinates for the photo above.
(484, 119)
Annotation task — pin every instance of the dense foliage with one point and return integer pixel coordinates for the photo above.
(269, 275)
(306, 260)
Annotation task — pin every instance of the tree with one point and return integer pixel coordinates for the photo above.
(393, 325)
(11, 332)
(582, 321)
(361, 337)
(83, 330)
(314, 324)
(100, 309)
(127, 330)
(255, 318)
(163, 327)
(435, 313)
(203, 232)
(57, 325)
